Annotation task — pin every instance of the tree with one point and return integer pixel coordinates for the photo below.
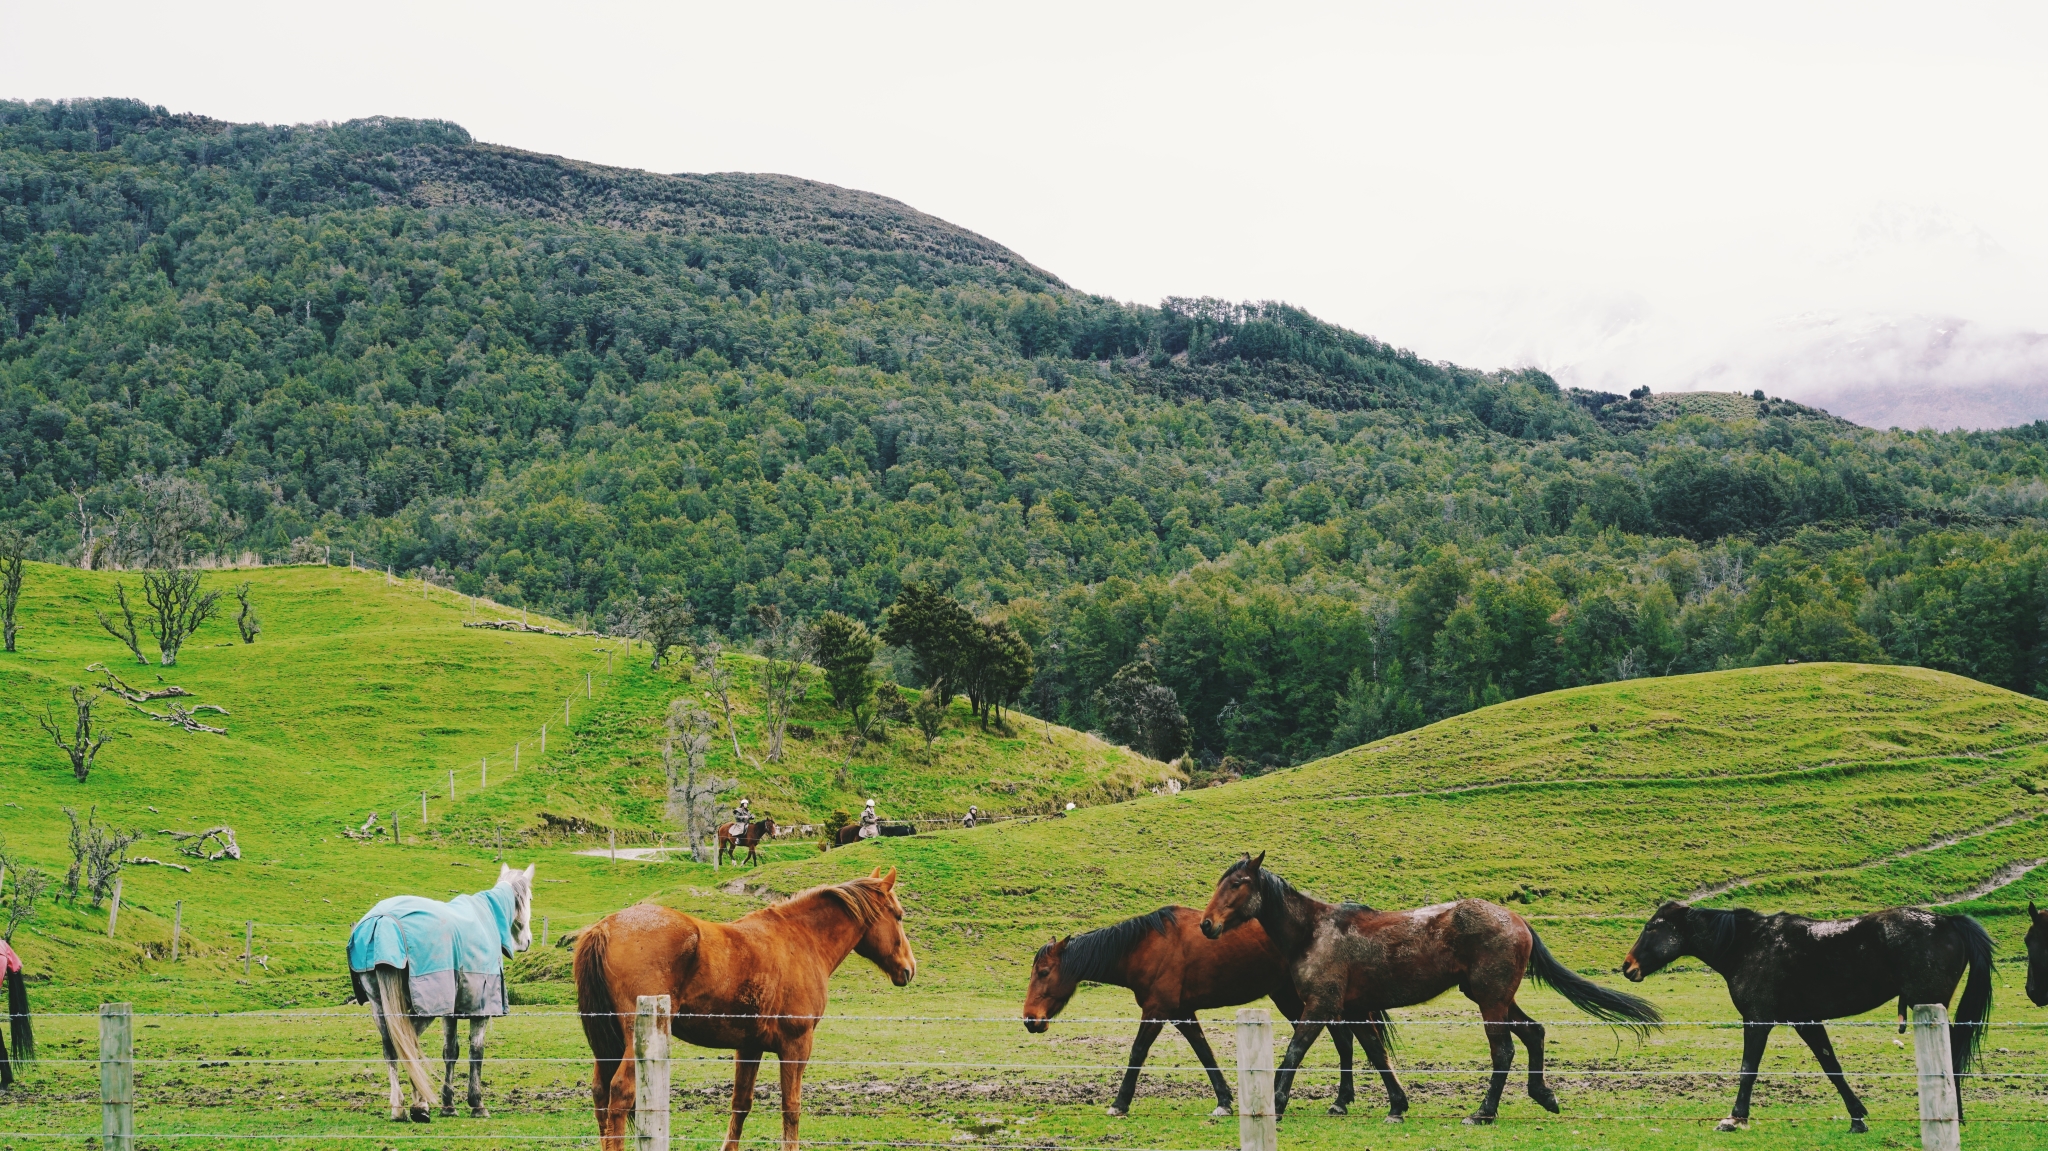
(246, 621)
(692, 794)
(97, 855)
(1142, 713)
(126, 632)
(12, 564)
(787, 678)
(845, 651)
(929, 714)
(177, 608)
(995, 667)
(719, 677)
(936, 628)
(18, 904)
(665, 622)
(82, 745)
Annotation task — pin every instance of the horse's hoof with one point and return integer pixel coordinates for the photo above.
(421, 1115)
(1858, 1127)
(448, 1111)
(1478, 1120)
(1339, 1109)
(479, 1113)
(1116, 1112)
(1732, 1124)
(1546, 1100)
(1219, 1113)
(1397, 1118)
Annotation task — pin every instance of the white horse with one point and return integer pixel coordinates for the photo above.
(416, 960)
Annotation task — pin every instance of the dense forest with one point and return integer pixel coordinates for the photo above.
(571, 387)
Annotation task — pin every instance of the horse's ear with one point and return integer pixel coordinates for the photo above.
(889, 880)
(1260, 860)
(529, 871)
(2031, 913)
(875, 874)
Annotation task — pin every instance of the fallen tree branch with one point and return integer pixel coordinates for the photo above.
(158, 863)
(115, 684)
(536, 629)
(194, 843)
(186, 719)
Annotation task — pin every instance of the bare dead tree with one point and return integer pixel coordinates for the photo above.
(187, 719)
(247, 622)
(169, 511)
(126, 632)
(83, 744)
(12, 566)
(177, 608)
(217, 842)
(114, 683)
(19, 904)
(96, 856)
(719, 677)
(692, 794)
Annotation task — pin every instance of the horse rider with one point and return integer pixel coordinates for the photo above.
(973, 814)
(870, 823)
(742, 818)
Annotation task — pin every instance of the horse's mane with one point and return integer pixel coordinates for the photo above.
(864, 898)
(1723, 926)
(1091, 954)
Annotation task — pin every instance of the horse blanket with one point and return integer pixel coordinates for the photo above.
(453, 952)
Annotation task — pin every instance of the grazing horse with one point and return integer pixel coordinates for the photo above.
(757, 831)
(754, 985)
(1349, 960)
(1174, 972)
(1789, 969)
(21, 1032)
(2037, 955)
(416, 960)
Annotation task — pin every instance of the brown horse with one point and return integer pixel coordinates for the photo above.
(1174, 972)
(1349, 959)
(754, 985)
(760, 829)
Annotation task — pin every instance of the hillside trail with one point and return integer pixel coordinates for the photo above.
(2005, 876)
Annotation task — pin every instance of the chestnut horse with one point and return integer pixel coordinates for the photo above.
(754, 985)
(1347, 960)
(1174, 972)
(760, 829)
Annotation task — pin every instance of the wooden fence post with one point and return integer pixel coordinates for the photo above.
(423, 809)
(543, 739)
(248, 946)
(117, 1076)
(1939, 1127)
(612, 838)
(1257, 1129)
(586, 686)
(177, 921)
(114, 912)
(650, 1073)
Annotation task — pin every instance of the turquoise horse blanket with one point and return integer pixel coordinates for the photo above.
(453, 953)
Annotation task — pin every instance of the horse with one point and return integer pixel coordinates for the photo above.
(415, 960)
(757, 831)
(1787, 968)
(1174, 972)
(21, 1031)
(2037, 955)
(757, 984)
(1348, 959)
(850, 834)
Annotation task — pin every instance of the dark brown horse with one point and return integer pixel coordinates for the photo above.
(1798, 971)
(1348, 960)
(1174, 971)
(754, 985)
(2037, 955)
(760, 829)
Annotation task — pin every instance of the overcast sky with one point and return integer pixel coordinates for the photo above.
(1799, 197)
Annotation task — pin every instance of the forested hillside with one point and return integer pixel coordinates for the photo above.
(570, 386)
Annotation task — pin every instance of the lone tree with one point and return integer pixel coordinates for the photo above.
(936, 628)
(247, 621)
(126, 631)
(929, 713)
(692, 794)
(1141, 713)
(82, 744)
(787, 678)
(177, 608)
(665, 624)
(995, 666)
(845, 650)
(96, 856)
(12, 564)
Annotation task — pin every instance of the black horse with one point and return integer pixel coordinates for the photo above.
(1789, 969)
(2037, 955)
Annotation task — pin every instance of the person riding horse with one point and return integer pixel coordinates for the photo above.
(973, 815)
(742, 818)
(870, 823)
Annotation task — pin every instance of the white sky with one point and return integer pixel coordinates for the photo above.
(1803, 196)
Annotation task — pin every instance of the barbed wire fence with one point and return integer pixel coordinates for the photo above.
(1251, 1047)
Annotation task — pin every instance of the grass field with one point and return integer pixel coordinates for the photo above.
(1821, 788)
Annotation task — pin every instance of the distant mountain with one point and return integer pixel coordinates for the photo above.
(1942, 407)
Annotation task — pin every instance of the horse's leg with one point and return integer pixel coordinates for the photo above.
(1500, 1040)
(1532, 1038)
(1754, 1036)
(746, 1064)
(1816, 1036)
(1148, 1030)
(1372, 1038)
(1340, 1034)
(451, 1050)
(794, 1055)
(479, 1028)
(397, 1093)
(616, 1107)
(1305, 1032)
(1191, 1030)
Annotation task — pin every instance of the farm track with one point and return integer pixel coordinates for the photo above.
(1936, 844)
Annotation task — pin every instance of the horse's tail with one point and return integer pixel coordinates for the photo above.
(601, 1028)
(19, 1031)
(394, 1009)
(1602, 1003)
(1974, 1011)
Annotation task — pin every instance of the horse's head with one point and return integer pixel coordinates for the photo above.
(2037, 955)
(883, 941)
(1662, 940)
(1050, 988)
(521, 883)
(1237, 897)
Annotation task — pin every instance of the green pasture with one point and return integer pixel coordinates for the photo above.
(1826, 789)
